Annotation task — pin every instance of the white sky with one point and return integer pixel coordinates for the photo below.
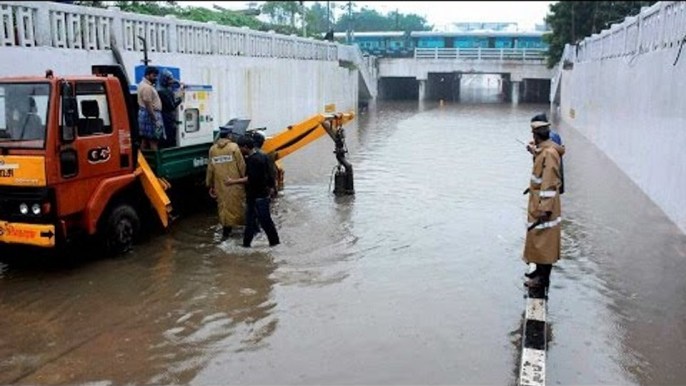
(439, 13)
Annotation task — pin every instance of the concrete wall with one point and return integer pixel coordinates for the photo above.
(273, 92)
(633, 107)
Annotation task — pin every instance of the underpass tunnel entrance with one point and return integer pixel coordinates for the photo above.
(535, 90)
(465, 88)
(443, 86)
(482, 88)
(398, 88)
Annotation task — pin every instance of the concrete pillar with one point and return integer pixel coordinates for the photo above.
(515, 92)
(457, 87)
(422, 89)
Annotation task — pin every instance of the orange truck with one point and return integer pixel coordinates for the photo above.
(70, 164)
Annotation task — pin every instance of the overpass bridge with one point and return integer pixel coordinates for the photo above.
(523, 71)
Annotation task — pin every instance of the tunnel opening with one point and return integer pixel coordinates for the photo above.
(483, 88)
(443, 86)
(535, 90)
(398, 88)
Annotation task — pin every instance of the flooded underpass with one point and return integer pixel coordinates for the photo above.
(416, 279)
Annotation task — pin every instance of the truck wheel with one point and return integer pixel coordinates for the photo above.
(121, 229)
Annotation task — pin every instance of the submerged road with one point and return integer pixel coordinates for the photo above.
(416, 279)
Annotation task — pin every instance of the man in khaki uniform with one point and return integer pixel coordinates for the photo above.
(543, 237)
(226, 161)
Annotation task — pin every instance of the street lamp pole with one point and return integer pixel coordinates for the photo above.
(303, 11)
(350, 23)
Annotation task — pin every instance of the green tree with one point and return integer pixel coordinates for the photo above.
(572, 21)
(317, 19)
(199, 14)
(155, 8)
(367, 19)
(96, 4)
(281, 11)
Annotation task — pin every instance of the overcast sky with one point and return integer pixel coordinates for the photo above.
(439, 13)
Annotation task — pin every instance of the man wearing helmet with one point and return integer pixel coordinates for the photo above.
(544, 212)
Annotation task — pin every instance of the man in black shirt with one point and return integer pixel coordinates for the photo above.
(259, 187)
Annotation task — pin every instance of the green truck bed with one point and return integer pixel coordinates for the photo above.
(179, 162)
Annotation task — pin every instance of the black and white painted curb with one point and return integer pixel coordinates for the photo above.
(532, 367)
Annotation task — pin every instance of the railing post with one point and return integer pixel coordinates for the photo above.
(173, 43)
(214, 37)
(272, 40)
(524, 55)
(479, 54)
(640, 31)
(435, 52)
(663, 25)
(116, 27)
(501, 54)
(415, 53)
(42, 24)
(457, 53)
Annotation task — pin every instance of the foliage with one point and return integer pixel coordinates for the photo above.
(284, 16)
(280, 12)
(571, 21)
(368, 19)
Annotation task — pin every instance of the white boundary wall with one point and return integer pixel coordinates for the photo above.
(625, 95)
(273, 79)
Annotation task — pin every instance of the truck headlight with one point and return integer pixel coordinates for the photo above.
(35, 209)
(24, 209)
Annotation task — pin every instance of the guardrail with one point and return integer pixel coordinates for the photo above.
(661, 26)
(33, 23)
(499, 54)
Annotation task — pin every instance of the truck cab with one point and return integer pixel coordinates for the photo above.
(68, 162)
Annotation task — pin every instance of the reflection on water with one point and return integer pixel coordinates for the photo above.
(157, 316)
(416, 279)
(625, 272)
(481, 89)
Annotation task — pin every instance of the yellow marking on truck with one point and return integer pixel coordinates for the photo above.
(22, 171)
(27, 234)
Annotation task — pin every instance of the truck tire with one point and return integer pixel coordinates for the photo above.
(121, 229)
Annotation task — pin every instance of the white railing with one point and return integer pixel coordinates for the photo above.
(661, 26)
(32, 24)
(491, 54)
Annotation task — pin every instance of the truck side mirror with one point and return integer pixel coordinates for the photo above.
(70, 114)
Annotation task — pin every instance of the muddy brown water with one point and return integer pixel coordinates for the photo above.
(415, 279)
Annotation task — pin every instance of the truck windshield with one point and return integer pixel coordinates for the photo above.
(23, 114)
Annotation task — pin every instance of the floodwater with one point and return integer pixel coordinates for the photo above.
(415, 279)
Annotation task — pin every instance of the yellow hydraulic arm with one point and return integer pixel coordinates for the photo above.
(307, 131)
